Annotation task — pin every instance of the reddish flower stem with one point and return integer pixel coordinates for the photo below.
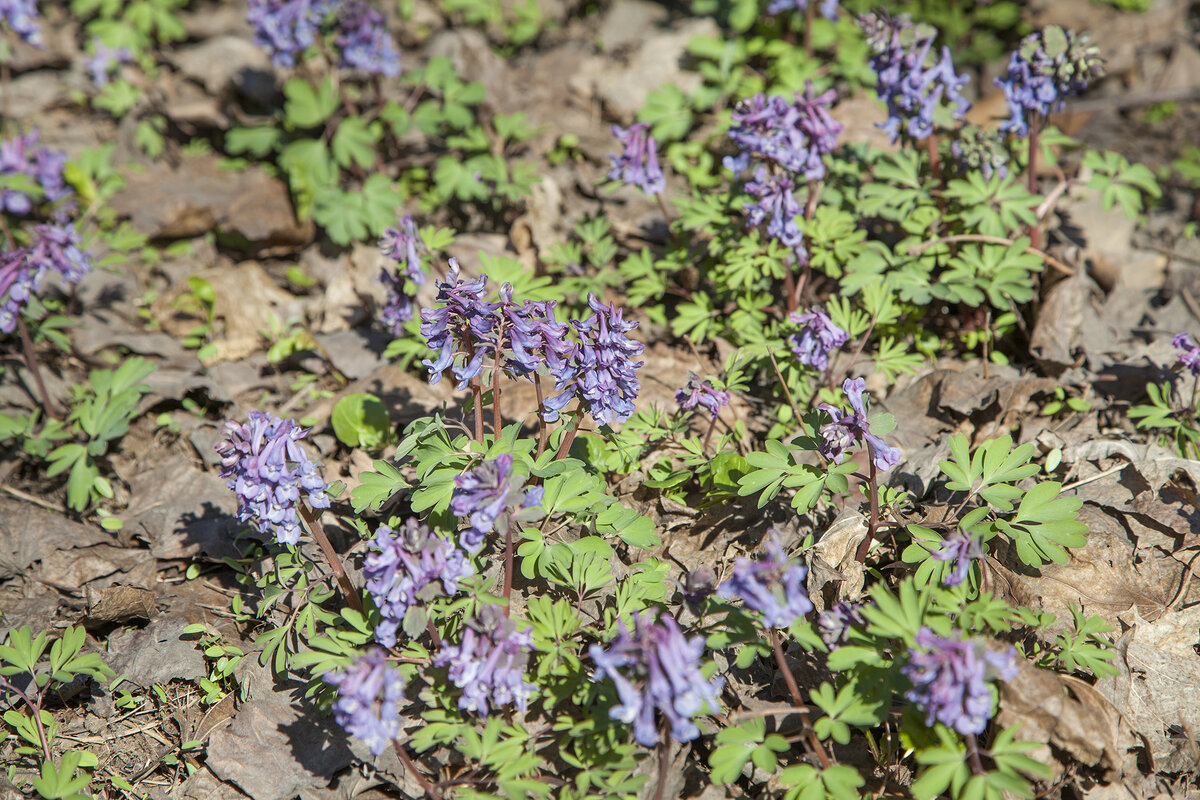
(339, 572)
(811, 740)
(543, 429)
(32, 362)
(407, 761)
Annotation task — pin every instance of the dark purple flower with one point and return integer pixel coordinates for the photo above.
(58, 247)
(369, 694)
(828, 7)
(794, 134)
(698, 585)
(20, 279)
(963, 549)
(464, 325)
(834, 624)
(845, 429)
(20, 16)
(1189, 352)
(405, 568)
(531, 337)
(484, 495)
(773, 586)
(400, 305)
(700, 393)
(655, 667)
(402, 244)
(977, 149)
(286, 28)
(104, 60)
(607, 374)
(910, 79)
(364, 41)
(21, 156)
(1048, 67)
(816, 339)
(950, 680)
(777, 206)
(638, 164)
(268, 468)
(489, 664)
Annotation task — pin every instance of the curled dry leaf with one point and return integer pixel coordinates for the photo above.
(118, 603)
(834, 573)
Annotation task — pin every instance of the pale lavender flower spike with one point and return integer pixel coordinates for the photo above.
(654, 667)
(489, 664)
(816, 339)
(638, 163)
(828, 7)
(962, 549)
(1189, 352)
(700, 393)
(20, 279)
(369, 695)
(605, 374)
(20, 16)
(104, 60)
(1046, 68)
(845, 429)
(950, 680)
(772, 585)
(484, 494)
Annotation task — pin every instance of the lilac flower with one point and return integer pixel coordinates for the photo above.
(638, 164)
(794, 135)
(776, 206)
(364, 41)
(369, 694)
(909, 79)
(834, 624)
(698, 585)
(700, 393)
(489, 664)
(267, 468)
(977, 149)
(464, 325)
(1048, 67)
(20, 16)
(18, 156)
(845, 429)
(104, 60)
(20, 279)
(286, 28)
(401, 244)
(533, 337)
(950, 680)
(828, 7)
(1189, 352)
(484, 495)
(400, 305)
(607, 374)
(59, 247)
(816, 339)
(773, 586)
(963, 549)
(404, 569)
(655, 667)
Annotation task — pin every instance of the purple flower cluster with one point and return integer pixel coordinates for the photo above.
(58, 247)
(1048, 67)
(977, 149)
(794, 135)
(654, 667)
(834, 624)
(773, 586)
(369, 695)
(909, 79)
(55, 247)
(403, 245)
(838, 435)
(700, 393)
(286, 28)
(489, 664)
(464, 319)
(21, 156)
(638, 163)
(20, 279)
(104, 60)
(20, 16)
(267, 468)
(816, 339)
(484, 495)
(950, 680)
(405, 568)
(607, 379)
(1189, 352)
(829, 8)
(962, 549)
(777, 206)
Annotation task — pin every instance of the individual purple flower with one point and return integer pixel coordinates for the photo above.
(20, 279)
(654, 667)
(59, 247)
(838, 435)
(286, 28)
(402, 244)
(21, 156)
(406, 568)
(700, 393)
(464, 325)
(104, 60)
(816, 339)
(638, 164)
(364, 41)
(1046, 68)
(607, 374)
(20, 16)
(829, 8)
(977, 149)
(268, 468)
(776, 205)
(1189, 352)
(911, 81)
(401, 303)
(795, 135)
(484, 495)
(773, 586)
(950, 680)
(834, 624)
(369, 694)
(963, 549)
(489, 664)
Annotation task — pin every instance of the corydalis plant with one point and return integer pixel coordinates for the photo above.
(287, 28)
(489, 663)
(21, 17)
(638, 163)
(776, 205)
(1189, 352)
(1048, 67)
(401, 244)
(369, 692)
(950, 680)
(654, 667)
(699, 393)
(828, 8)
(794, 135)
(486, 495)
(846, 428)
(977, 149)
(816, 339)
(43, 166)
(23, 270)
(772, 586)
